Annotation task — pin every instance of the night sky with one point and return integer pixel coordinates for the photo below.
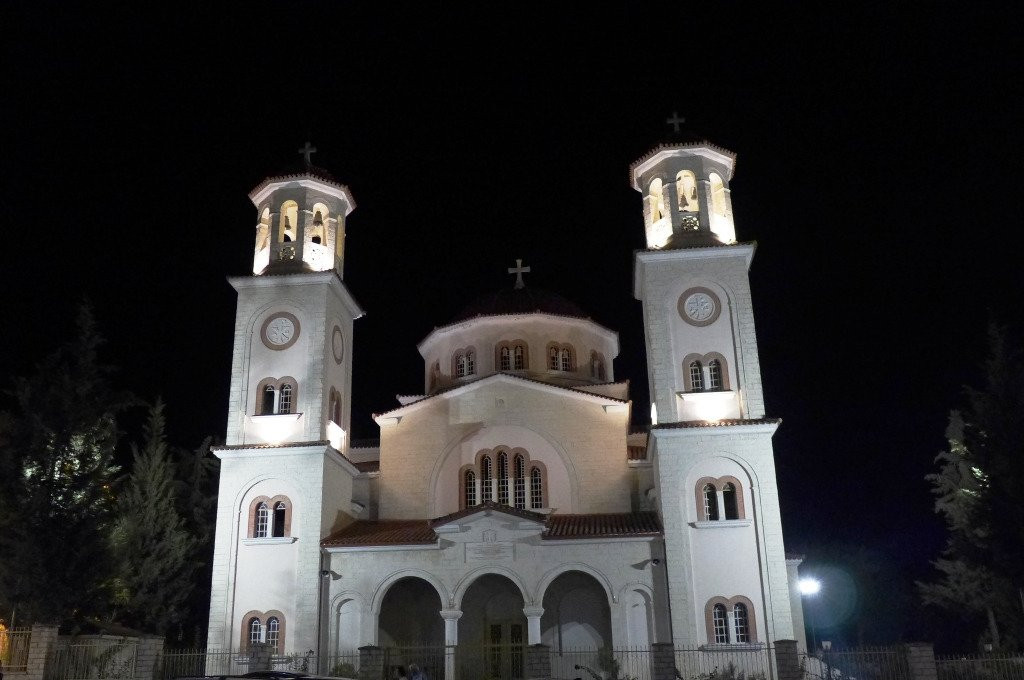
(879, 170)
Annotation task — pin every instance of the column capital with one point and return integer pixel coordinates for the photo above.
(532, 611)
(451, 614)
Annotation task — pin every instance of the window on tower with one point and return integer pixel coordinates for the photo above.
(504, 476)
(270, 517)
(464, 363)
(730, 621)
(710, 496)
(289, 222)
(721, 628)
(705, 372)
(714, 374)
(276, 397)
(262, 525)
(686, 191)
(696, 377)
(561, 357)
(656, 200)
(254, 631)
(719, 499)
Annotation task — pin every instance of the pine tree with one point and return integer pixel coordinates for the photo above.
(56, 453)
(153, 547)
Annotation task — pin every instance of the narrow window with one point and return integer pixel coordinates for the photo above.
(255, 631)
(318, 226)
(273, 633)
(519, 358)
(566, 357)
(280, 510)
(740, 624)
(503, 478)
(719, 624)
(505, 362)
(262, 524)
(710, 503)
(269, 397)
(469, 489)
(714, 374)
(284, 402)
(487, 491)
(656, 200)
(686, 191)
(553, 358)
(519, 470)
(470, 363)
(536, 489)
(337, 409)
(717, 195)
(460, 366)
(729, 500)
(696, 377)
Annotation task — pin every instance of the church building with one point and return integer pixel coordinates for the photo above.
(509, 503)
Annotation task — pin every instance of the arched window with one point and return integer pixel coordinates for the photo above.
(717, 195)
(686, 191)
(261, 527)
(460, 365)
(519, 472)
(719, 624)
(289, 221)
(284, 399)
(336, 411)
(505, 359)
(565, 357)
(519, 357)
(255, 628)
(696, 377)
(503, 478)
(470, 362)
(280, 515)
(714, 374)
(317, 228)
(656, 200)
(269, 400)
(536, 488)
(469, 489)
(732, 508)
(486, 472)
(710, 503)
(553, 358)
(597, 366)
(740, 622)
(274, 633)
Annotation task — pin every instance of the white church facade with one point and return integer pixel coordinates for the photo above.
(509, 504)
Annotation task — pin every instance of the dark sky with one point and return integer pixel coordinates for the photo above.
(879, 171)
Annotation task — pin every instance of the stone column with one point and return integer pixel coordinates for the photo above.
(538, 662)
(40, 646)
(787, 660)
(451, 639)
(147, 656)
(371, 663)
(663, 661)
(920, 657)
(533, 615)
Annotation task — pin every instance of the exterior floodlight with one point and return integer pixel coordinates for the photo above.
(809, 586)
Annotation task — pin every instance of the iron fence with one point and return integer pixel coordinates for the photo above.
(197, 663)
(611, 664)
(980, 667)
(752, 662)
(862, 663)
(104, 659)
(14, 649)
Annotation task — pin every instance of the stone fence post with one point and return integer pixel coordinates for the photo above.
(920, 657)
(40, 646)
(147, 655)
(663, 661)
(371, 663)
(787, 660)
(260, 654)
(538, 662)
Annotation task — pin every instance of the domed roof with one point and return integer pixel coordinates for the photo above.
(523, 300)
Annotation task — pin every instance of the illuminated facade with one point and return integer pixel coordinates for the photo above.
(508, 504)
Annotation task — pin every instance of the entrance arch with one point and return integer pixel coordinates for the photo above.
(577, 615)
(494, 626)
(410, 615)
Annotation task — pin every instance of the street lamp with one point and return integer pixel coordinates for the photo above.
(809, 587)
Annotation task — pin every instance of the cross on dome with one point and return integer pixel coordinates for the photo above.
(519, 270)
(675, 121)
(307, 151)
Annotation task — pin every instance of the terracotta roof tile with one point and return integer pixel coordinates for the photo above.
(489, 505)
(368, 466)
(383, 532)
(636, 453)
(614, 525)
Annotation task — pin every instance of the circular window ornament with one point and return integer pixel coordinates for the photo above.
(699, 306)
(337, 345)
(280, 331)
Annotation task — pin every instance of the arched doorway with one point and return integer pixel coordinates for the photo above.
(576, 613)
(492, 630)
(410, 615)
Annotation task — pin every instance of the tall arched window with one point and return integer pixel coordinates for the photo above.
(686, 191)
(656, 200)
(460, 365)
(553, 358)
(470, 362)
(503, 478)
(519, 471)
(486, 472)
(289, 221)
(714, 374)
(505, 359)
(710, 502)
(269, 400)
(565, 358)
(261, 527)
(274, 633)
(318, 228)
(519, 357)
(536, 488)
(336, 411)
(719, 624)
(255, 631)
(696, 377)
(469, 489)
(740, 622)
(284, 399)
(717, 194)
(280, 514)
(732, 508)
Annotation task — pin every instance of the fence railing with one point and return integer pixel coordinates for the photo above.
(100, 660)
(627, 662)
(753, 662)
(863, 663)
(980, 667)
(14, 649)
(196, 663)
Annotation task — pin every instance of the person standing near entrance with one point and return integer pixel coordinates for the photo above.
(415, 673)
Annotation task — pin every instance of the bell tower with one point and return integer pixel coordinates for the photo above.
(710, 442)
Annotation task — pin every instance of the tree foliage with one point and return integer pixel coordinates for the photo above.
(976, 489)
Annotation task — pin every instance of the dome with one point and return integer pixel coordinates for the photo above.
(523, 300)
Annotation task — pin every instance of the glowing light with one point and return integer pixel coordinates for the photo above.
(809, 586)
(275, 429)
(654, 414)
(335, 435)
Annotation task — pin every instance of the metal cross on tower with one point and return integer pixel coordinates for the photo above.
(519, 270)
(307, 151)
(675, 121)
